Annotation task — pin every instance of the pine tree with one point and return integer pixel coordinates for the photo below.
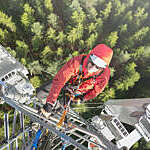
(138, 53)
(99, 25)
(23, 61)
(92, 27)
(38, 7)
(59, 51)
(75, 5)
(11, 51)
(108, 93)
(47, 51)
(78, 17)
(35, 81)
(51, 34)
(7, 21)
(37, 41)
(119, 7)
(75, 34)
(61, 38)
(27, 18)
(128, 79)
(49, 6)
(139, 16)
(128, 17)
(106, 12)
(35, 68)
(52, 20)
(123, 28)
(130, 3)
(90, 42)
(124, 56)
(3, 35)
(92, 14)
(21, 49)
(36, 28)
(112, 39)
(138, 36)
(46, 54)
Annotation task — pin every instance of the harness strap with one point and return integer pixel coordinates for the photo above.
(81, 70)
(95, 76)
(80, 76)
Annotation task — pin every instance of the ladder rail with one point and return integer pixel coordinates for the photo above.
(43, 121)
(6, 129)
(15, 138)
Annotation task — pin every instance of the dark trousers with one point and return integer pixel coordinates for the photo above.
(43, 91)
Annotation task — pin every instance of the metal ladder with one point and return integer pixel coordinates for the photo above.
(19, 133)
(78, 136)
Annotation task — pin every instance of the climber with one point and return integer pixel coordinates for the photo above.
(84, 76)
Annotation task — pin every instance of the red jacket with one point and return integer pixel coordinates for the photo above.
(91, 87)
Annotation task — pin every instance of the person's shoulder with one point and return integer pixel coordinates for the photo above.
(107, 68)
(105, 75)
(107, 71)
(78, 58)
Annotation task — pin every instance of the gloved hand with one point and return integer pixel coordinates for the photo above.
(48, 107)
(47, 110)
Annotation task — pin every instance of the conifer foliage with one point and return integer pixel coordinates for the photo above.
(48, 34)
(44, 34)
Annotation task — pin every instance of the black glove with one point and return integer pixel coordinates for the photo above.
(48, 107)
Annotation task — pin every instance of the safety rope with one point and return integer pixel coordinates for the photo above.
(78, 108)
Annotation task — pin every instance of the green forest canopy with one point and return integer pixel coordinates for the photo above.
(44, 34)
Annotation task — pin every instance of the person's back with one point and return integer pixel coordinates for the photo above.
(84, 76)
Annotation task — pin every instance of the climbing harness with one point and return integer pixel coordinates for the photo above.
(80, 79)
